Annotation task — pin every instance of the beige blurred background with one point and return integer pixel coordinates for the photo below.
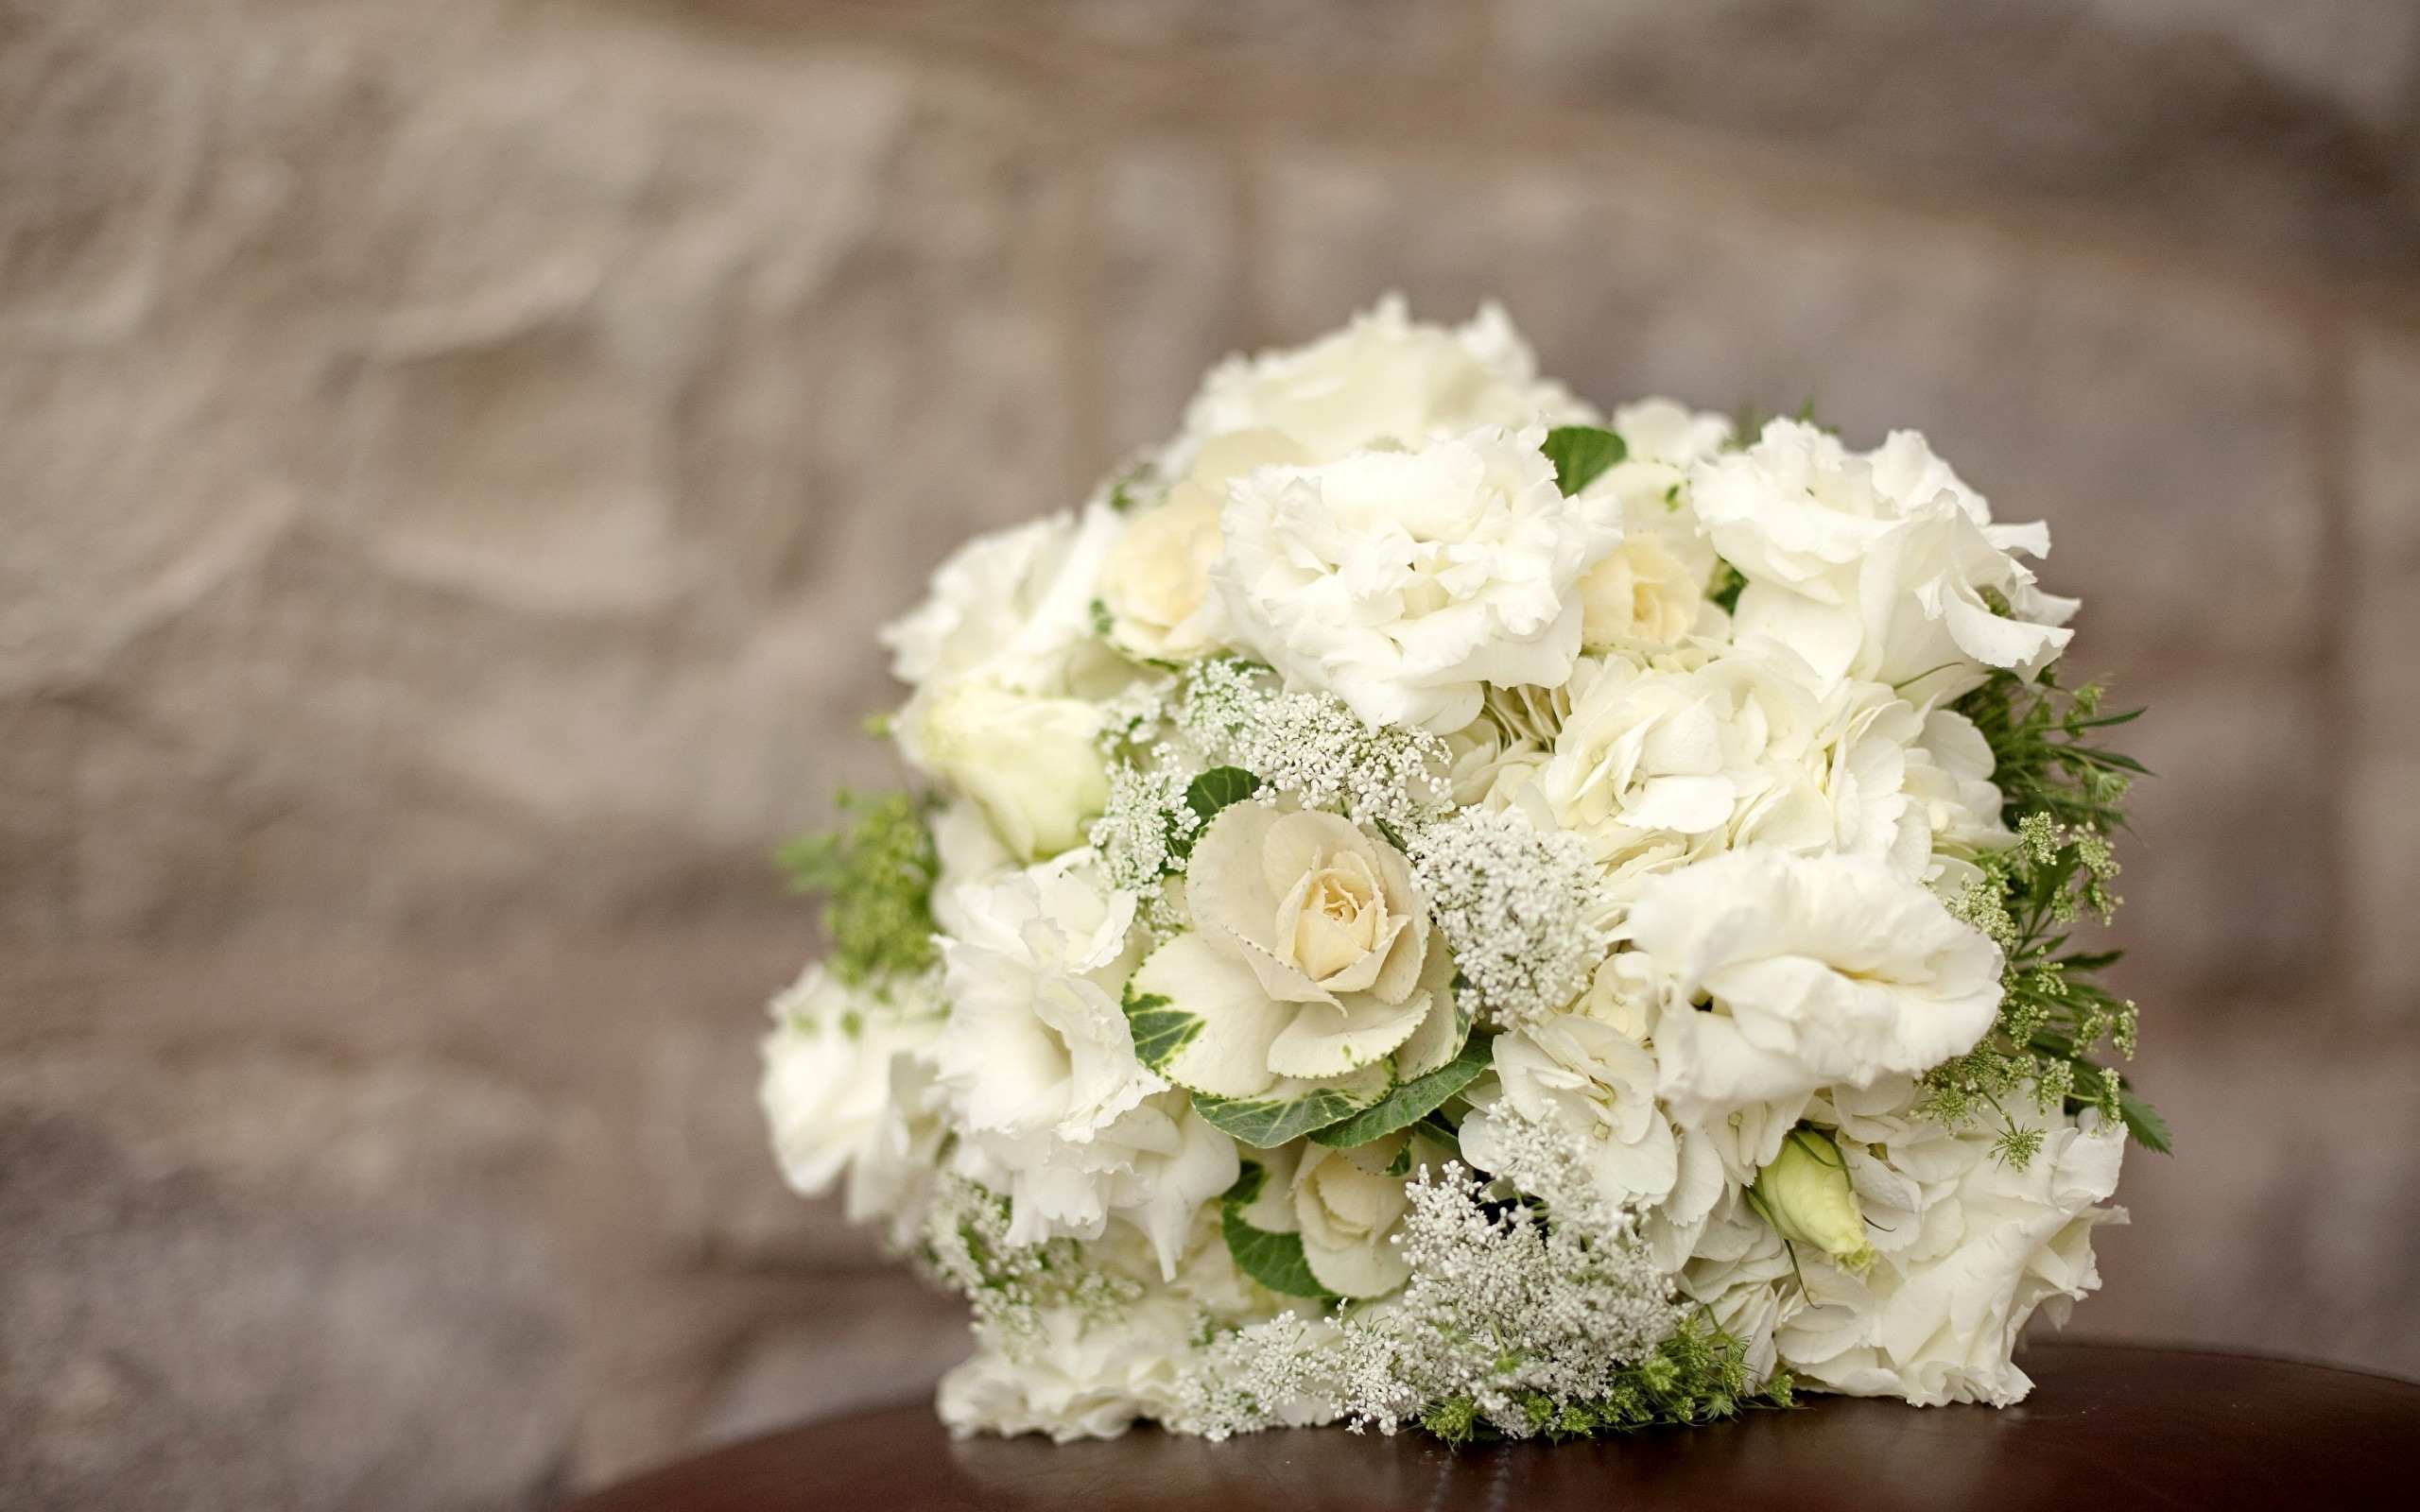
(453, 457)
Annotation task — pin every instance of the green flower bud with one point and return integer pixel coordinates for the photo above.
(1805, 1193)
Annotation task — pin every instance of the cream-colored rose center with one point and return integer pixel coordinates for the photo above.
(1159, 573)
(1640, 593)
(1333, 917)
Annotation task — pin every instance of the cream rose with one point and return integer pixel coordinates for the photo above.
(1156, 585)
(1642, 593)
(1028, 763)
(1311, 957)
(1351, 1212)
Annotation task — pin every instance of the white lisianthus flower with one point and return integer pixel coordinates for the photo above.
(1311, 957)
(1382, 379)
(828, 1079)
(1876, 565)
(1028, 763)
(1968, 1247)
(1783, 974)
(1596, 1084)
(1014, 608)
(1403, 582)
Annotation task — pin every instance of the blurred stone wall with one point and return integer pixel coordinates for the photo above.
(453, 457)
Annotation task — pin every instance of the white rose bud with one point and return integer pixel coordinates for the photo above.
(1640, 593)
(1806, 1194)
(1028, 763)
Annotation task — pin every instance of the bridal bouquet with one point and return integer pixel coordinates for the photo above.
(1425, 906)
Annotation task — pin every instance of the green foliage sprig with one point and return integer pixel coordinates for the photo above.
(1699, 1375)
(876, 874)
(2064, 796)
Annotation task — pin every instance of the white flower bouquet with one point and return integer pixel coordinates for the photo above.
(1426, 907)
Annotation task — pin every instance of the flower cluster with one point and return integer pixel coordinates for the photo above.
(1430, 905)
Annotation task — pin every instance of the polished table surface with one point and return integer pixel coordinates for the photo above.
(2109, 1427)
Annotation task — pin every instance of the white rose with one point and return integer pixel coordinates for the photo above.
(1642, 593)
(1350, 1214)
(1382, 379)
(1967, 1249)
(1875, 565)
(1311, 957)
(1598, 1085)
(1014, 608)
(828, 1068)
(1156, 584)
(1403, 582)
(1812, 970)
(1028, 763)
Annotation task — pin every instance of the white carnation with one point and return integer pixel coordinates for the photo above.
(1783, 973)
(1384, 378)
(1876, 565)
(1039, 1067)
(1403, 582)
(1013, 607)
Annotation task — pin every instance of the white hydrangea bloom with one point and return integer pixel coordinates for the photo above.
(1402, 581)
(1596, 1084)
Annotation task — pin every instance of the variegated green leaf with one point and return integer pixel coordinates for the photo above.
(1160, 1031)
(1294, 1106)
(1411, 1101)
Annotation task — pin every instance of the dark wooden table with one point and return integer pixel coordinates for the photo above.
(2108, 1427)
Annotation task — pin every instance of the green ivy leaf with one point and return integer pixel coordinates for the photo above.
(1275, 1260)
(1215, 789)
(1411, 1101)
(1580, 453)
(1160, 1031)
(2144, 1123)
(1266, 1123)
